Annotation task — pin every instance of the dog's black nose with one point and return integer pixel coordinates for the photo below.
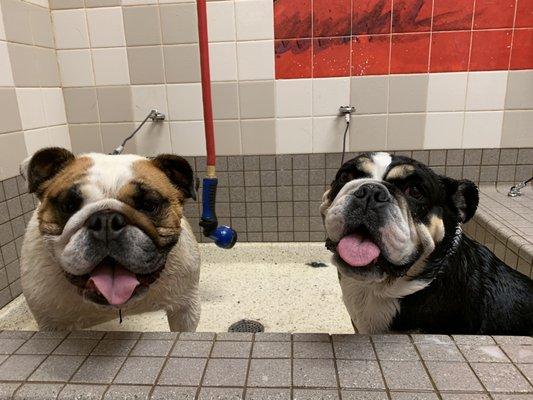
(106, 225)
(371, 194)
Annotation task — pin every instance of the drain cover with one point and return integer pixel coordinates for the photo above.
(247, 325)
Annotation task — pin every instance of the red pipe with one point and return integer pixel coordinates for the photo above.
(206, 82)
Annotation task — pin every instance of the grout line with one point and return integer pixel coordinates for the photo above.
(423, 362)
(249, 365)
(238, 80)
(430, 40)
(204, 372)
(121, 365)
(378, 361)
(292, 363)
(156, 382)
(335, 366)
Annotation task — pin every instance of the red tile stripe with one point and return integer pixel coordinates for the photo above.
(330, 38)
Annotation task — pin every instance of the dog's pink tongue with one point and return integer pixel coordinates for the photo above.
(357, 251)
(115, 283)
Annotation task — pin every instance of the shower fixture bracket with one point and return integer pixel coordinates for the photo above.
(156, 115)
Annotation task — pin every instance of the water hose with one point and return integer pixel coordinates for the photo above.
(222, 235)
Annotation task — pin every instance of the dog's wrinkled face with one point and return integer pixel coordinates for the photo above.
(384, 215)
(109, 221)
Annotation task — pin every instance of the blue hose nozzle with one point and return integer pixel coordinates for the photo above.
(222, 235)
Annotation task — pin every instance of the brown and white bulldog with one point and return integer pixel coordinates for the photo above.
(109, 233)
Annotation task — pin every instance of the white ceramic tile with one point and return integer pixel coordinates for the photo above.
(154, 139)
(517, 129)
(106, 27)
(255, 19)
(59, 136)
(406, 131)
(54, 106)
(228, 137)
(111, 66)
(36, 139)
(188, 138)
(368, 132)
(185, 102)
(42, 30)
(256, 60)
(138, 2)
(220, 21)
(42, 3)
(6, 76)
(482, 129)
(75, 67)
(486, 90)
(444, 130)
(12, 152)
(519, 94)
(31, 107)
(294, 97)
(148, 97)
(328, 134)
(369, 94)
(70, 29)
(408, 93)
(223, 61)
(258, 136)
(294, 135)
(329, 94)
(447, 91)
(2, 28)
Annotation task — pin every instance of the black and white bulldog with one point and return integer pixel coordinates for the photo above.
(394, 227)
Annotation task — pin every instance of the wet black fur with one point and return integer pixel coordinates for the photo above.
(471, 290)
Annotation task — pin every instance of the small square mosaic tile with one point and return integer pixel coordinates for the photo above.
(265, 366)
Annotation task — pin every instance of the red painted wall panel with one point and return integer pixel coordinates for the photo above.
(328, 38)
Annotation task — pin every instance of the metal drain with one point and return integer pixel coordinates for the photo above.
(247, 325)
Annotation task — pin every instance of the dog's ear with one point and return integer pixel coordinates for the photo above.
(464, 194)
(179, 172)
(43, 166)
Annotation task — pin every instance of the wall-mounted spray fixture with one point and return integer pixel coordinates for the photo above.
(347, 111)
(515, 190)
(154, 115)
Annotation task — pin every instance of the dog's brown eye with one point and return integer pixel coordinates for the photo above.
(68, 202)
(69, 207)
(414, 192)
(345, 177)
(149, 206)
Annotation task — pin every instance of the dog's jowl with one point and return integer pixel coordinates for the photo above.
(109, 233)
(394, 227)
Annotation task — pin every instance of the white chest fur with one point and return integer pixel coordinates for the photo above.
(373, 306)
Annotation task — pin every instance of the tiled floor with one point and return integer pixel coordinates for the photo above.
(118, 365)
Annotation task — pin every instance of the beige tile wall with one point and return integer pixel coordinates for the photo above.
(148, 54)
(32, 109)
(99, 66)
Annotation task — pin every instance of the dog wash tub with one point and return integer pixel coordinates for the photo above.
(273, 283)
